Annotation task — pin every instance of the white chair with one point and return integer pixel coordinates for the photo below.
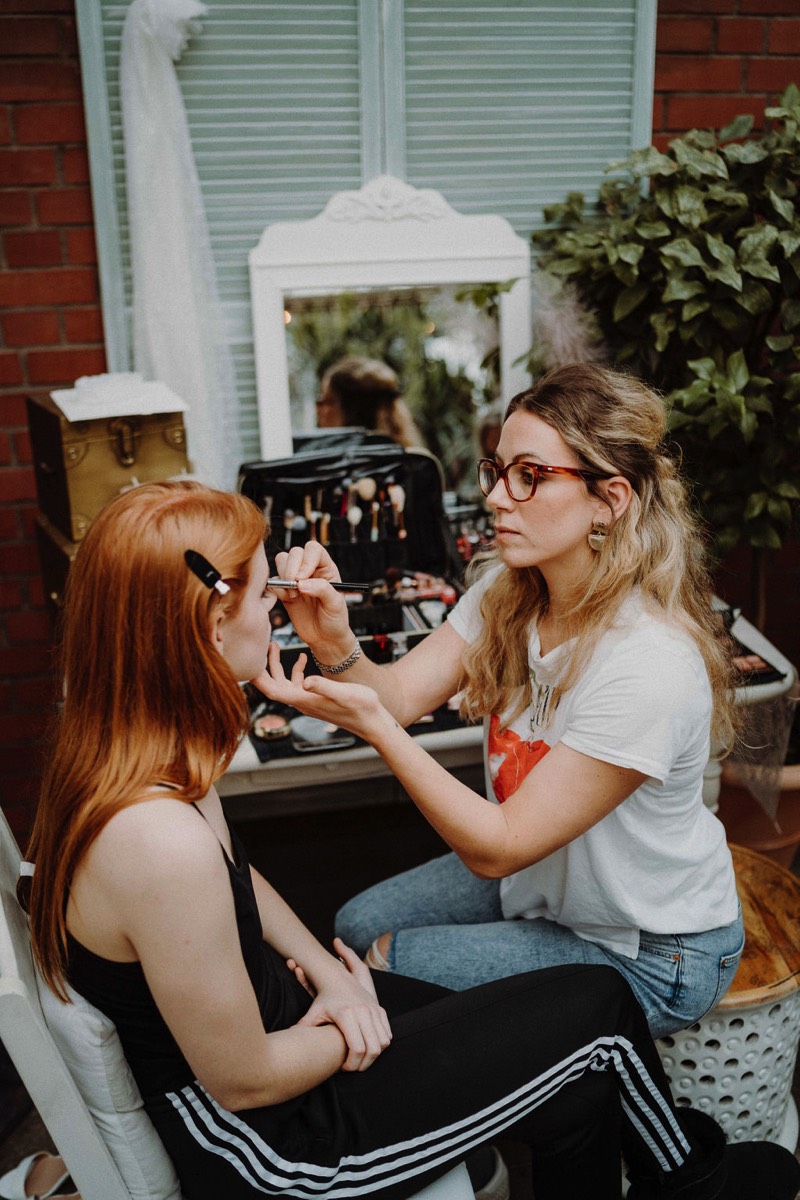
(70, 1059)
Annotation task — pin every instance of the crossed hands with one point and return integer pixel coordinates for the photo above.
(351, 1004)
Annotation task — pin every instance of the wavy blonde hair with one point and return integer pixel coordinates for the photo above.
(615, 425)
(149, 700)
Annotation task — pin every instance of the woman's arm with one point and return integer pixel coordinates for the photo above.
(161, 875)
(417, 683)
(343, 993)
(565, 794)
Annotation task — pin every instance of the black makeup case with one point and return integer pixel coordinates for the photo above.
(401, 543)
(396, 494)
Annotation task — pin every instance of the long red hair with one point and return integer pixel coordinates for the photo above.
(148, 699)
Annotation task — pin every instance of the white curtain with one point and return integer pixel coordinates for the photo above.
(178, 324)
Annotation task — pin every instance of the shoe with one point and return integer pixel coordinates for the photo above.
(499, 1186)
(719, 1171)
(14, 1185)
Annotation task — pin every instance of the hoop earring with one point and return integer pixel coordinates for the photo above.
(597, 535)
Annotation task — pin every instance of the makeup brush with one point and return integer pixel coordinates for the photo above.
(366, 488)
(354, 515)
(397, 495)
(277, 582)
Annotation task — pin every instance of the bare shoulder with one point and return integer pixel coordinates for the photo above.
(151, 839)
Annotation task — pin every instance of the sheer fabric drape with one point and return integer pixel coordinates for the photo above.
(178, 323)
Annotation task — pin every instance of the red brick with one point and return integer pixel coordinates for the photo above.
(10, 368)
(22, 447)
(710, 112)
(36, 595)
(81, 246)
(69, 38)
(25, 660)
(772, 74)
(693, 7)
(5, 454)
(28, 516)
(40, 6)
(27, 166)
(19, 289)
(40, 249)
(5, 127)
(75, 165)
(32, 36)
(10, 594)
(30, 328)
(768, 6)
(680, 33)
(37, 124)
(784, 37)
(9, 525)
(16, 483)
(744, 34)
(65, 206)
(83, 325)
(13, 411)
(64, 366)
(45, 81)
(15, 208)
(681, 73)
(21, 727)
(21, 558)
(658, 112)
(36, 693)
(29, 627)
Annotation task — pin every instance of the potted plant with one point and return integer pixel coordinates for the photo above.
(690, 264)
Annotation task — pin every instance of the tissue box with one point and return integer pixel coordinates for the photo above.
(82, 464)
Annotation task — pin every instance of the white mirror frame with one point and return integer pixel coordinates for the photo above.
(386, 235)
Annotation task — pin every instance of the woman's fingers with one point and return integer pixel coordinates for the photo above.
(366, 1039)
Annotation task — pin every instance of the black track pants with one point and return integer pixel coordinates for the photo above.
(559, 1058)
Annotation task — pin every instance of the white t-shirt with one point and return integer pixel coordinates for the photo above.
(659, 861)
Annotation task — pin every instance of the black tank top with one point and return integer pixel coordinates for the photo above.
(120, 990)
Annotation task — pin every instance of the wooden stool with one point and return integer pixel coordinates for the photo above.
(737, 1062)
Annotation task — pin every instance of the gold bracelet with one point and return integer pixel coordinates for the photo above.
(344, 665)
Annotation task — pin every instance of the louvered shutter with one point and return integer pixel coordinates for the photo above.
(502, 107)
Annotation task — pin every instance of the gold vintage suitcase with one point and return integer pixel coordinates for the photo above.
(56, 553)
(81, 465)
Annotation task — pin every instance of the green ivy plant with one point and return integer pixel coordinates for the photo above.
(690, 262)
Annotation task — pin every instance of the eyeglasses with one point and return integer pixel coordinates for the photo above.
(521, 478)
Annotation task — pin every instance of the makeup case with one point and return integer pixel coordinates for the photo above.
(372, 503)
(400, 541)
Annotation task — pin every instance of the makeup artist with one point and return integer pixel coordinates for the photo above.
(587, 643)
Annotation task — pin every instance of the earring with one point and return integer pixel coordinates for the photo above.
(597, 535)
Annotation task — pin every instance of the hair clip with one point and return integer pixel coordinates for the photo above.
(204, 571)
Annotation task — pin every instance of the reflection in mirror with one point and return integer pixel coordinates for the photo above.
(442, 347)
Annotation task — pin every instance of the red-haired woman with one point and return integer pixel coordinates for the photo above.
(269, 1066)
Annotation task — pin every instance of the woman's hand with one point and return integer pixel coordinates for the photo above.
(317, 612)
(351, 705)
(351, 1004)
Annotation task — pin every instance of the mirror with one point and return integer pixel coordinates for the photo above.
(386, 240)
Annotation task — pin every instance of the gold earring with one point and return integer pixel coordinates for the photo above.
(597, 535)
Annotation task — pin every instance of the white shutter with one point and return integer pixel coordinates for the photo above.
(509, 106)
(503, 107)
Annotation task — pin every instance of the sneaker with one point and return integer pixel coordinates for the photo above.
(499, 1186)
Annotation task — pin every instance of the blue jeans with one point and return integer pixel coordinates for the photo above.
(448, 927)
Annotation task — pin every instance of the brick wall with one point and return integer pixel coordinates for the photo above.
(50, 333)
(716, 58)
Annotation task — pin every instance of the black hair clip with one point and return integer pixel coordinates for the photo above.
(204, 571)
